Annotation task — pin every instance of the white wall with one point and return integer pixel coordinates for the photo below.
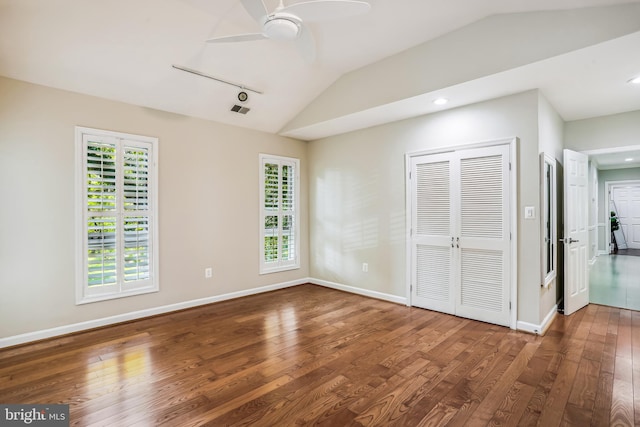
(614, 131)
(489, 46)
(618, 130)
(208, 177)
(595, 240)
(630, 174)
(551, 141)
(357, 194)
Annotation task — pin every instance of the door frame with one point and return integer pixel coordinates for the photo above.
(512, 142)
(608, 185)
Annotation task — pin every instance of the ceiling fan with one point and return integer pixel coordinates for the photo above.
(287, 23)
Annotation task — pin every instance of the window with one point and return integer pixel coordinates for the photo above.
(549, 221)
(279, 219)
(117, 208)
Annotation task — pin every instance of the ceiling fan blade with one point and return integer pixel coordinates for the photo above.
(324, 10)
(237, 38)
(306, 44)
(256, 9)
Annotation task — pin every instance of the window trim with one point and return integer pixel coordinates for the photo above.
(281, 265)
(81, 279)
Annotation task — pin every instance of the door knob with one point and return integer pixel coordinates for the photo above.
(568, 240)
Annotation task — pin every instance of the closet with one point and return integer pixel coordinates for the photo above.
(461, 232)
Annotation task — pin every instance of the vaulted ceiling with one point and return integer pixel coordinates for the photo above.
(124, 50)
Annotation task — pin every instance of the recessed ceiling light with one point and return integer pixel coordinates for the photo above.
(440, 101)
(629, 159)
(635, 80)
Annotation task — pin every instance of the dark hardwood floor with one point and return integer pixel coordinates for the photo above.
(314, 356)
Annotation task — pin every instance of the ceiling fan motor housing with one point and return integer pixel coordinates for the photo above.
(282, 27)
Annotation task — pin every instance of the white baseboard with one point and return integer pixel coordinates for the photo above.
(125, 317)
(541, 328)
(134, 315)
(360, 291)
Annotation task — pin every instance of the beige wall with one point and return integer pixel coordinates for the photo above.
(353, 211)
(357, 194)
(208, 204)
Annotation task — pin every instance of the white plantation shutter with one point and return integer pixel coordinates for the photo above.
(137, 214)
(101, 205)
(117, 180)
(279, 234)
(288, 185)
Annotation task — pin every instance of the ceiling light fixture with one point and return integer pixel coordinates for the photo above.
(635, 80)
(281, 28)
(629, 159)
(440, 101)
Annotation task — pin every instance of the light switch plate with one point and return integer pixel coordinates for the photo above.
(529, 212)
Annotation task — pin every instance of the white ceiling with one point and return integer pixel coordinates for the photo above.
(616, 158)
(123, 50)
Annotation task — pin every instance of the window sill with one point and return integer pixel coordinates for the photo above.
(105, 297)
(279, 269)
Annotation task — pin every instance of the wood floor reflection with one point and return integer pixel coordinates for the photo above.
(314, 356)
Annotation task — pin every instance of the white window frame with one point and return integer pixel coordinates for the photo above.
(120, 289)
(279, 264)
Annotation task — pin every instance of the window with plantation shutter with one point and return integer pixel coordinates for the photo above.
(279, 219)
(117, 204)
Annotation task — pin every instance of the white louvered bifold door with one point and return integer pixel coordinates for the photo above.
(432, 281)
(484, 245)
(460, 233)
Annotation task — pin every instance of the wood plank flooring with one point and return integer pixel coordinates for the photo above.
(314, 356)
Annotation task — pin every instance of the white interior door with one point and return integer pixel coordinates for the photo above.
(460, 233)
(576, 235)
(633, 241)
(626, 200)
(431, 234)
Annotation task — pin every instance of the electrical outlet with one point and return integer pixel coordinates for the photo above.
(208, 273)
(365, 267)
